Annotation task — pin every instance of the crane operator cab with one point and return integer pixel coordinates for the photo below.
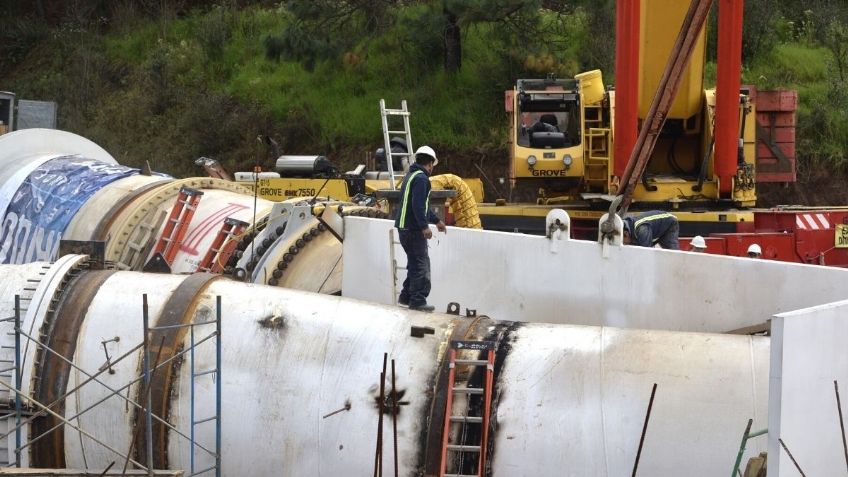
(550, 115)
(546, 137)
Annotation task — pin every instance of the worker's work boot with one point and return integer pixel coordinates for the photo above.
(403, 301)
(425, 307)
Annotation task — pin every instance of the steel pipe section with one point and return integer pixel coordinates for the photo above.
(55, 185)
(568, 400)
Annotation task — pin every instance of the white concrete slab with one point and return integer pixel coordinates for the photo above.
(807, 356)
(519, 277)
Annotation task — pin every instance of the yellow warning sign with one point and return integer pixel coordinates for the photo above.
(841, 236)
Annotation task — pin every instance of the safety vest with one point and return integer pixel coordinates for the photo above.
(651, 218)
(404, 203)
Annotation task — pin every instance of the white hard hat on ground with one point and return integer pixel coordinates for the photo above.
(755, 249)
(698, 242)
(427, 150)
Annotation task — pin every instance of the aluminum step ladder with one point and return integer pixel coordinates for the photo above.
(463, 421)
(404, 113)
(222, 247)
(176, 227)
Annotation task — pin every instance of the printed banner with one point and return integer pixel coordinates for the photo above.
(45, 203)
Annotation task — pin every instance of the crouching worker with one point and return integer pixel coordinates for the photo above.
(652, 228)
(413, 224)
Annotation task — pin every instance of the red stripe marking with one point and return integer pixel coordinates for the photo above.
(197, 234)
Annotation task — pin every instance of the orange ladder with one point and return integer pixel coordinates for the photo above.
(176, 227)
(465, 420)
(222, 247)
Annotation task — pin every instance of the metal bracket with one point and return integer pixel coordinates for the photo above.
(453, 308)
(108, 363)
(767, 138)
(557, 225)
(333, 220)
(157, 264)
(95, 249)
(420, 331)
(611, 226)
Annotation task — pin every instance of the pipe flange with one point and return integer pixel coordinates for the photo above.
(296, 245)
(73, 267)
(62, 302)
(244, 242)
(284, 263)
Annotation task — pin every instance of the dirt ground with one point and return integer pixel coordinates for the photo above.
(818, 185)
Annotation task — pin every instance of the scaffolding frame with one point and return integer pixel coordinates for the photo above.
(147, 374)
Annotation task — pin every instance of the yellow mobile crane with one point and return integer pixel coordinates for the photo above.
(562, 140)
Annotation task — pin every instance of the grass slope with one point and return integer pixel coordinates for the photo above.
(167, 93)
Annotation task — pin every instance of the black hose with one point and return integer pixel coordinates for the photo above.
(702, 174)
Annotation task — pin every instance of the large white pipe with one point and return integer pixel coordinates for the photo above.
(569, 400)
(55, 185)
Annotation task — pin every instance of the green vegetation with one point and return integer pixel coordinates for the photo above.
(168, 86)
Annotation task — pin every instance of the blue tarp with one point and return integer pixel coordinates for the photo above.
(45, 203)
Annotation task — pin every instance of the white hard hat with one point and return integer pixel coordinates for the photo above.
(427, 150)
(698, 242)
(754, 248)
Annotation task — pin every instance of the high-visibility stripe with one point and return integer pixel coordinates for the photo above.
(823, 220)
(811, 221)
(651, 218)
(405, 201)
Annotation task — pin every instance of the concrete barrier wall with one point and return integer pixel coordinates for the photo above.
(529, 278)
(807, 356)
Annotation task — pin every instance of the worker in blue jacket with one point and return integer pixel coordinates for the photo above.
(651, 228)
(413, 224)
